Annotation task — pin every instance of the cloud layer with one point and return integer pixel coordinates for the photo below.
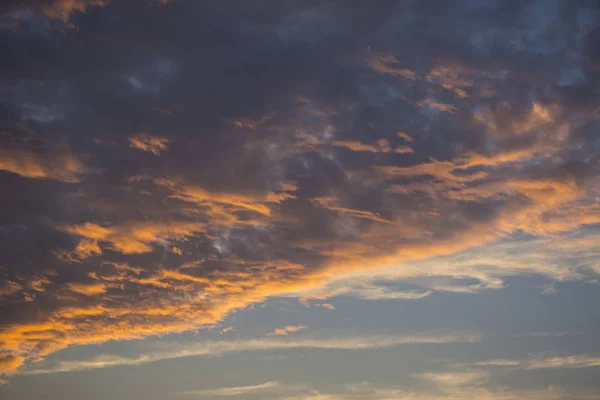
(165, 172)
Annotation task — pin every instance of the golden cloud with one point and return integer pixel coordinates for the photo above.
(61, 167)
(288, 329)
(153, 144)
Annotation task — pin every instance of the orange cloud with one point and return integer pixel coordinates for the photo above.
(9, 288)
(9, 364)
(133, 238)
(382, 146)
(85, 289)
(330, 203)
(446, 171)
(153, 144)
(120, 301)
(61, 167)
(222, 204)
(287, 330)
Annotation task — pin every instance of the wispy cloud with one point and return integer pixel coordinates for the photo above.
(441, 386)
(153, 144)
(429, 102)
(566, 362)
(232, 391)
(220, 348)
(387, 64)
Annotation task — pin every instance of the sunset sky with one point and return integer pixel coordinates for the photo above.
(299, 199)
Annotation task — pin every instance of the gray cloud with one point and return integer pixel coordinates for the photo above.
(271, 163)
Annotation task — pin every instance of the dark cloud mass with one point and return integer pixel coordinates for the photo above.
(165, 163)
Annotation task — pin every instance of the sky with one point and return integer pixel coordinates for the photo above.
(299, 200)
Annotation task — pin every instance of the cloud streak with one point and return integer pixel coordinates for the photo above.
(233, 391)
(221, 348)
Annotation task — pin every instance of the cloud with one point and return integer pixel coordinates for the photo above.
(566, 362)
(92, 289)
(153, 144)
(381, 145)
(275, 180)
(438, 390)
(234, 202)
(429, 102)
(226, 330)
(405, 136)
(451, 379)
(59, 9)
(387, 64)
(288, 329)
(219, 348)
(127, 239)
(311, 142)
(582, 361)
(233, 391)
(10, 363)
(330, 203)
(60, 167)
(469, 271)
(403, 150)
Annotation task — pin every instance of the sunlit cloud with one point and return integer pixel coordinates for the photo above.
(61, 167)
(128, 239)
(286, 330)
(381, 145)
(153, 144)
(316, 154)
(9, 364)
